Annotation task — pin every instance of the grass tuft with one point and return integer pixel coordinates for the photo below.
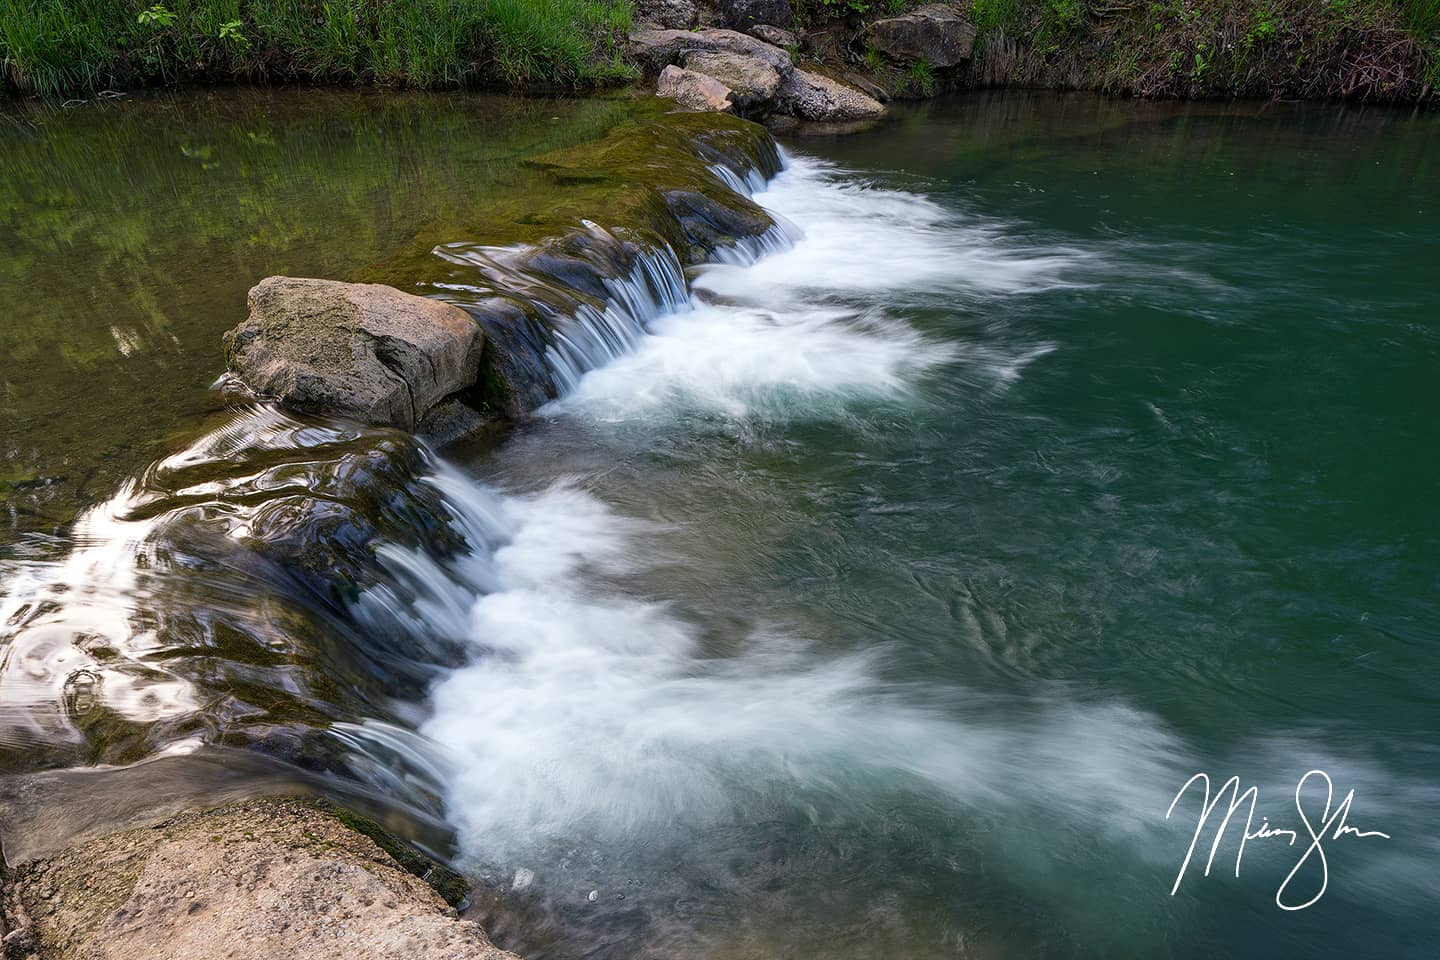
(78, 46)
(1345, 49)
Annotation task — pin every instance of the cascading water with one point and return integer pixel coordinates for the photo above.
(273, 555)
(648, 706)
(247, 590)
(337, 573)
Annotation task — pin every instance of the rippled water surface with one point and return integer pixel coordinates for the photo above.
(881, 599)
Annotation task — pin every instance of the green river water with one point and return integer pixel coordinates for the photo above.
(883, 604)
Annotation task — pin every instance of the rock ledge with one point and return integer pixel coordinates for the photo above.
(251, 881)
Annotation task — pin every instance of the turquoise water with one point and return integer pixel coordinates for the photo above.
(881, 602)
(1156, 497)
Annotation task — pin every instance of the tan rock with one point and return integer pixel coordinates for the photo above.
(259, 880)
(751, 81)
(656, 48)
(359, 350)
(693, 91)
(773, 35)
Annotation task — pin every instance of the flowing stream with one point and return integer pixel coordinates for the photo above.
(869, 592)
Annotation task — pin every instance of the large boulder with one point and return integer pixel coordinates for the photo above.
(752, 81)
(693, 91)
(359, 350)
(742, 14)
(935, 33)
(811, 96)
(655, 49)
(672, 14)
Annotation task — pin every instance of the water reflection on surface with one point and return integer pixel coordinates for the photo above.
(132, 230)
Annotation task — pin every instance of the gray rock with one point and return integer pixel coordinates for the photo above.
(741, 14)
(654, 49)
(773, 35)
(811, 96)
(865, 85)
(671, 14)
(711, 225)
(752, 81)
(935, 33)
(451, 421)
(358, 350)
(693, 91)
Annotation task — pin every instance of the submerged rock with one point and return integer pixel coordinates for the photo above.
(710, 224)
(811, 96)
(359, 350)
(251, 881)
(752, 81)
(936, 34)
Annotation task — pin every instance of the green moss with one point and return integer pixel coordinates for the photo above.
(451, 886)
(496, 394)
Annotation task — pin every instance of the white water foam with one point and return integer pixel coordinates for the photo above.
(595, 739)
(591, 714)
(860, 238)
(594, 716)
(595, 727)
(776, 328)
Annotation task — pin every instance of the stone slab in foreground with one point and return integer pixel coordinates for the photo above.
(359, 350)
(258, 880)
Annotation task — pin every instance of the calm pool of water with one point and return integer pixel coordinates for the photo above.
(132, 230)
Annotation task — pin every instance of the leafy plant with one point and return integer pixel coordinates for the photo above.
(989, 15)
(854, 6)
(157, 17)
(1204, 55)
(232, 33)
(1263, 27)
(1064, 16)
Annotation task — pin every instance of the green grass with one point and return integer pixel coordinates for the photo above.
(1363, 49)
(79, 46)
